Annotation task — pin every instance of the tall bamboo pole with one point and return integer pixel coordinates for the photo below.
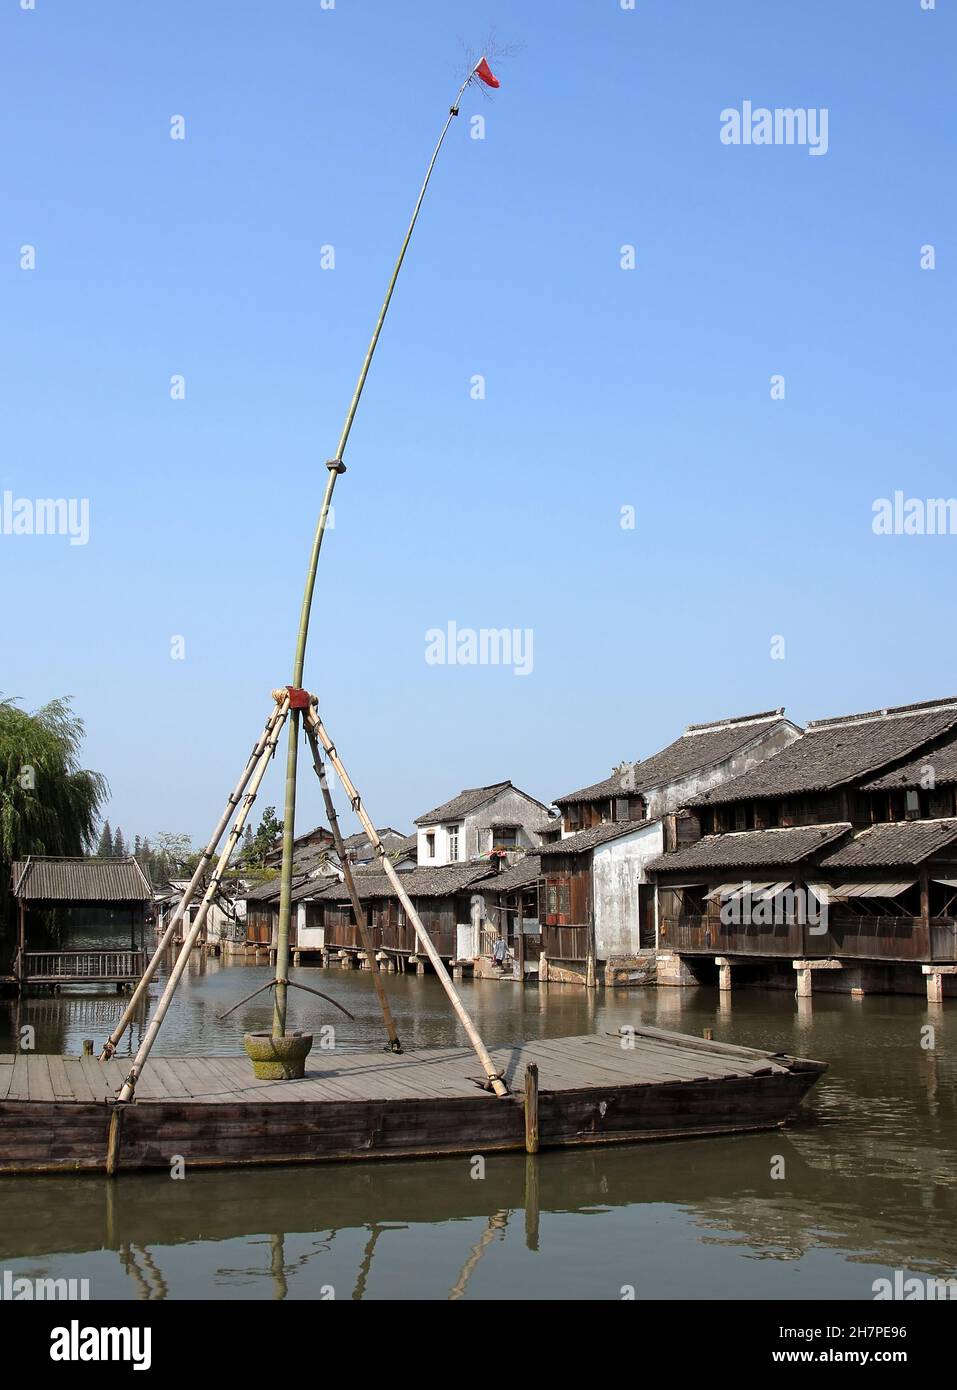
(335, 467)
(110, 1046)
(314, 723)
(367, 941)
(232, 839)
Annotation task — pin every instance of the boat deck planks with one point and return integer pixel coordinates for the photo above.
(565, 1064)
(55, 1111)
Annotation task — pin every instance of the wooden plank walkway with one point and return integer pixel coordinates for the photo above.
(563, 1063)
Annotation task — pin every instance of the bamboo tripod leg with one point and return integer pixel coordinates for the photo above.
(367, 942)
(129, 1012)
(314, 723)
(162, 1007)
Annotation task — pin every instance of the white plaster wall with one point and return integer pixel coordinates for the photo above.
(442, 854)
(508, 805)
(309, 938)
(672, 795)
(618, 867)
(423, 848)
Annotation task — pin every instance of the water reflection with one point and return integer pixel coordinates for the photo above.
(683, 1220)
(863, 1185)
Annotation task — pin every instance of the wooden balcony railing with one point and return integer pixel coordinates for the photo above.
(487, 939)
(80, 967)
(861, 938)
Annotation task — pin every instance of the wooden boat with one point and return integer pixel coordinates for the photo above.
(59, 1114)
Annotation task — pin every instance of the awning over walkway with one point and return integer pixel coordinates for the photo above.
(728, 892)
(841, 891)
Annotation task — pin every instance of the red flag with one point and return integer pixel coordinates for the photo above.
(483, 71)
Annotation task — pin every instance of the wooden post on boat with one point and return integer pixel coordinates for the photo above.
(367, 941)
(531, 1108)
(113, 1141)
(109, 1047)
(149, 1038)
(495, 1080)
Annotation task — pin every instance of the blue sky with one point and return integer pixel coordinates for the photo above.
(604, 388)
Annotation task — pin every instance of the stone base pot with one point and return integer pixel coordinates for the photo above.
(278, 1059)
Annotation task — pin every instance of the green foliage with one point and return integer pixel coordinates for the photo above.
(104, 846)
(170, 855)
(263, 840)
(48, 803)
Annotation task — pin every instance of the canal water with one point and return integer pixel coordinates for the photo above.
(862, 1185)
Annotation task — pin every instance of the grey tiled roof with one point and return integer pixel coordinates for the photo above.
(460, 805)
(409, 844)
(597, 835)
(386, 834)
(701, 745)
(893, 842)
(269, 888)
(439, 882)
(741, 849)
(835, 751)
(548, 827)
(63, 879)
(942, 759)
(527, 870)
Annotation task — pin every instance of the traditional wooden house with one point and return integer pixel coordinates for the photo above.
(597, 902)
(315, 869)
(510, 938)
(400, 848)
(705, 756)
(443, 897)
(312, 843)
(224, 924)
(837, 855)
(596, 907)
(478, 822)
(79, 921)
(262, 913)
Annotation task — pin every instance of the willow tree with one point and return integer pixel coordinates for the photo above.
(49, 804)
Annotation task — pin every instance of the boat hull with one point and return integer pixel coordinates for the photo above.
(247, 1129)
